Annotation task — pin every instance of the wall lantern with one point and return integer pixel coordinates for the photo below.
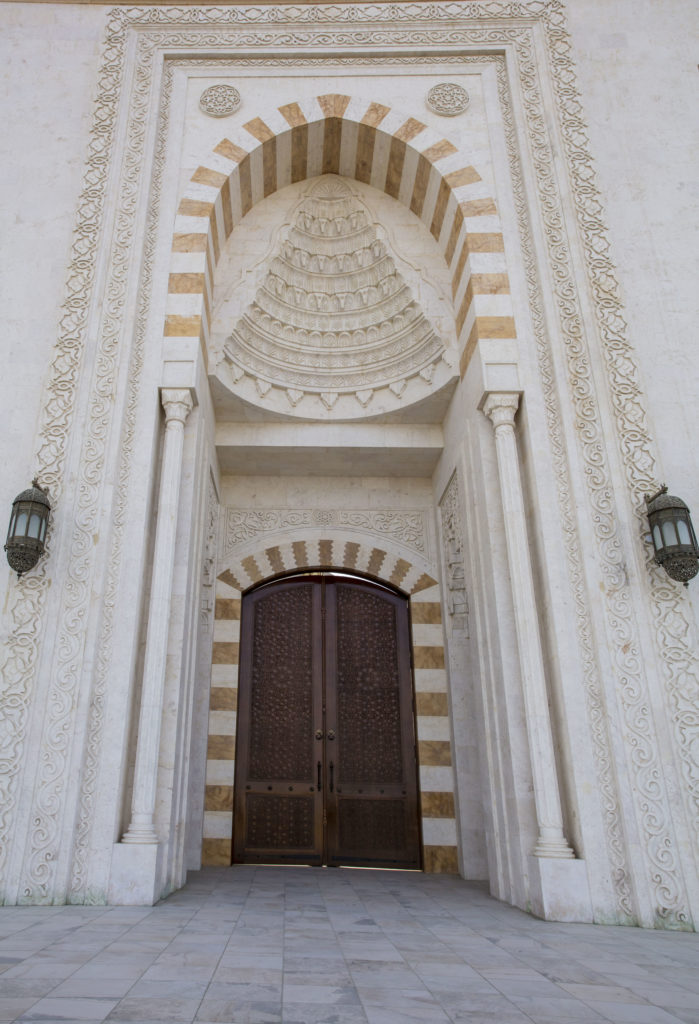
(27, 533)
(673, 536)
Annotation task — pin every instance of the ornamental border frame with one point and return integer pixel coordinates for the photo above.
(635, 446)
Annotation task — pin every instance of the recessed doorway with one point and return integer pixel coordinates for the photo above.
(326, 768)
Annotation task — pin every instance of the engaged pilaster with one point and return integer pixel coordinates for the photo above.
(177, 403)
(501, 408)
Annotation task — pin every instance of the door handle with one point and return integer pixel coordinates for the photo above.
(320, 777)
(332, 769)
(331, 734)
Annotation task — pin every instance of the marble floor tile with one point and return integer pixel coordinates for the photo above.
(254, 945)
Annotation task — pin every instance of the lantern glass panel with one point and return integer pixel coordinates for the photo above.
(34, 525)
(669, 535)
(683, 532)
(21, 527)
(42, 532)
(657, 538)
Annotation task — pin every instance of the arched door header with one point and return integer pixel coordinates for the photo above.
(355, 138)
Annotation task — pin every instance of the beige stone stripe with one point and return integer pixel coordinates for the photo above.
(423, 583)
(496, 327)
(464, 176)
(300, 553)
(220, 748)
(191, 242)
(325, 552)
(440, 208)
(194, 207)
(332, 137)
(226, 208)
(334, 104)
(223, 698)
(274, 556)
(479, 208)
(400, 571)
(459, 268)
(351, 554)
(375, 114)
(207, 176)
(258, 129)
(439, 150)
(182, 326)
(409, 130)
(426, 612)
(185, 284)
(469, 349)
(299, 152)
(230, 151)
(434, 752)
(365, 153)
(431, 704)
(225, 652)
(464, 307)
(491, 241)
(214, 235)
(394, 170)
(437, 804)
(428, 657)
(441, 860)
(215, 852)
(269, 167)
(422, 177)
(230, 580)
(227, 608)
(457, 224)
(292, 114)
(376, 560)
(245, 186)
(218, 798)
(252, 569)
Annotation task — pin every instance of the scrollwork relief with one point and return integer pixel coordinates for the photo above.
(405, 526)
(453, 547)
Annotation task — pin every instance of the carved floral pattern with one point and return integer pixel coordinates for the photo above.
(453, 547)
(405, 526)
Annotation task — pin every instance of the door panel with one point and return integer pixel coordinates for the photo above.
(278, 809)
(325, 765)
(372, 797)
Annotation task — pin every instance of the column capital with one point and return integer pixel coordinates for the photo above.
(177, 403)
(500, 407)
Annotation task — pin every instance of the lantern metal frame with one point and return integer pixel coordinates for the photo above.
(673, 536)
(26, 534)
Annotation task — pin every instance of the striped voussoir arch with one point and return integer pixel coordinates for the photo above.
(337, 552)
(374, 144)
(434, 750)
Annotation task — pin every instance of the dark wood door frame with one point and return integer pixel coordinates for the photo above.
(332, 779)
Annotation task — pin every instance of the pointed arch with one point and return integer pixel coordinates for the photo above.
(374, 144)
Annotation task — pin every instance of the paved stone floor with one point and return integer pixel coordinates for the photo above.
(252, 945)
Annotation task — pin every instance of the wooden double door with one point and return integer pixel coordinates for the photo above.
(326, 768)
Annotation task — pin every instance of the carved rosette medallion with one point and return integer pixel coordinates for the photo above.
(219, 100)
(447, 99)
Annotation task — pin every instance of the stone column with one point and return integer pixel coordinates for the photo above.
(501, 409)
(177, 403)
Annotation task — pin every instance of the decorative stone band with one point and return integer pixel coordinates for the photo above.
(434, 746)
(373, 143)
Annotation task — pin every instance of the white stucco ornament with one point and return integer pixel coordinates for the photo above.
(447, 99)
(219, 100)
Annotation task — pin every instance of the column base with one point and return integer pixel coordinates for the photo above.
(559, 889)
(135, 874)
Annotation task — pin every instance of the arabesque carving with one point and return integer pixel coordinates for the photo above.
(453, 547)
(405, 526)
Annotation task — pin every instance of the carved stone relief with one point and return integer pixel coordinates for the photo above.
(447, 99)
(453, 547)
(331, 310)
(219, 100)
(405, 526)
